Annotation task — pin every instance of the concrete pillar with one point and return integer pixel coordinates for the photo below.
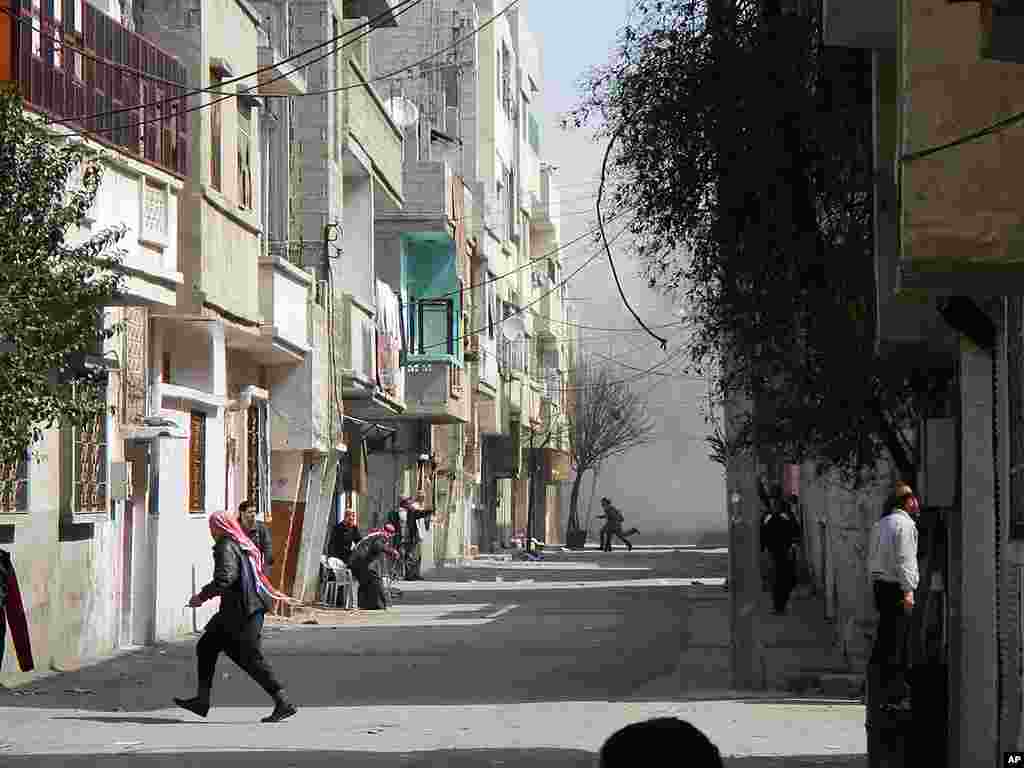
(975, 687)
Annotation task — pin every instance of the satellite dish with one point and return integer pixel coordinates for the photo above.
(402, 111)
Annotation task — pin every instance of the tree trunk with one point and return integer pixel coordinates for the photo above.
(574, 503)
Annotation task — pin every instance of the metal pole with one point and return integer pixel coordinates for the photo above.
(529, 497)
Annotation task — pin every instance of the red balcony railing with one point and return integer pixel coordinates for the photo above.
(77, 65)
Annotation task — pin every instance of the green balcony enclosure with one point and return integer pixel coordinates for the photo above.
(433, 295)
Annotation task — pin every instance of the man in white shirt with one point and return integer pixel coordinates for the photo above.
(893, 567)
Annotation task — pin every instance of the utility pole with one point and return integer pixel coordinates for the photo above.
(744, 557)
(746, 658)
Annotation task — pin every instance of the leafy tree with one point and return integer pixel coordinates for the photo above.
(743, 147)
(609, 418)
(52, 292)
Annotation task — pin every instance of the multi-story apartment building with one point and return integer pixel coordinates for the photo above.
(98, 517)
(347, 164)
(476, 107)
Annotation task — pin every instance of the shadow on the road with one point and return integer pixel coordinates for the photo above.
(798, 761)
(448, 758)
(134, 720)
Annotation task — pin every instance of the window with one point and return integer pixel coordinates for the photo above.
(432, 326)
(37, 26)
(501, 192)
(534, 133)
(58, 12)
(258, 457)
(245, 156)
(491, 301)
(215, 127)
(73, 34)
(197, 463)
(14, 486)
(505, 83)
(89, 459)
(510, 205)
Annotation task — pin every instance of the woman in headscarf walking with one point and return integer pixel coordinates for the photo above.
(246, 594)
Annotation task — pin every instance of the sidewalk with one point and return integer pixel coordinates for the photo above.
(800, 652)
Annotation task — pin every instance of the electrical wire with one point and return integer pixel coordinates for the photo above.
(538, 299)
(402, 7)
(410, 67)
(989, 130)
(405, 6)
(529, 263)
(198, 107)
(604, 237)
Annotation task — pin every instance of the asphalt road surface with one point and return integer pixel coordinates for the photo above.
(489, 665)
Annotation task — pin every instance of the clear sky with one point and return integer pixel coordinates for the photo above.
(670, 484)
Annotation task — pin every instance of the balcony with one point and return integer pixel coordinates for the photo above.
(69, 86)
(284, 301)
(277, 77)
(435, 393)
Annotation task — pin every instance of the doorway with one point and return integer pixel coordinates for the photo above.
(138, 553)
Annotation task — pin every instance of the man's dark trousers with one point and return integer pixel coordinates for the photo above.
(241, 643)
(890, 651)
(784, 578)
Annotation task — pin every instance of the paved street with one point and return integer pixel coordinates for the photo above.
(491, 664)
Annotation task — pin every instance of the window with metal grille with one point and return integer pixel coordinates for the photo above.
(197, 463)
(14, 486)
(258, 479)
(244, 156)
(215, 138)
(89, 482)
(1015, 399)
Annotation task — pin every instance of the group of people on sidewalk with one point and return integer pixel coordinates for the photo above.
(372, 557)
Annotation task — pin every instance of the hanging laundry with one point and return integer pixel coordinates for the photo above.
(389, 339)
(12, 611)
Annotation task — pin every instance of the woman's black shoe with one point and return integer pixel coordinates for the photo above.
(197, 705)
(282, 711)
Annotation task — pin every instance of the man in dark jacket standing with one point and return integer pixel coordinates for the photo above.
(780, 535)
(344, 536)
(258, 532)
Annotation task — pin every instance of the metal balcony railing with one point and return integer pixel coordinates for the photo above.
(77, 65)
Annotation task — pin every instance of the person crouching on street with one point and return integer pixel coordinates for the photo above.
(368, 565)
(236, 629)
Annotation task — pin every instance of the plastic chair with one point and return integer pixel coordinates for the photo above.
(343, 581)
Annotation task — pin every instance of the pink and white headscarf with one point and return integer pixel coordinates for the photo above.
(226, 524)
